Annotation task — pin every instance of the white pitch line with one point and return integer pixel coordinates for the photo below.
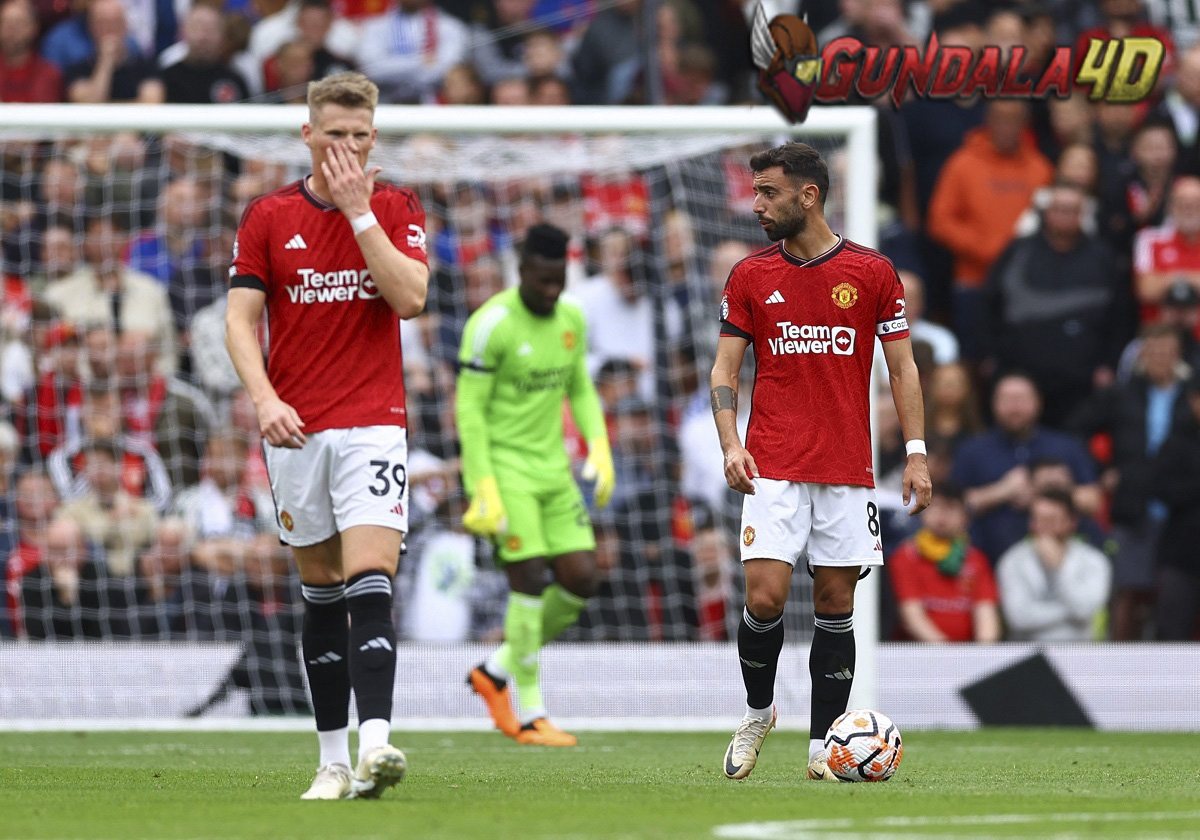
(803, 829)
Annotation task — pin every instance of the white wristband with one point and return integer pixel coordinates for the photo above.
(915, 447)
(365, 221)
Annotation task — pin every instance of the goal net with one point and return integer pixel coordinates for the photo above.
(180, 592)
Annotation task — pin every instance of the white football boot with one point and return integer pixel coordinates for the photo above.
(742, 754)
(378, 770)
(332, 782)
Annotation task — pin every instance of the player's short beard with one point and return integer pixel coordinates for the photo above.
(786, 228)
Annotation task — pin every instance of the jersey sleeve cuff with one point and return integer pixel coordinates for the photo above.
(733, 329)
(475, 366)
(247, 281)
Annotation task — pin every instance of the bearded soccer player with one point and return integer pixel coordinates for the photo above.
(336, 260)
(812, 305)
(523, 352)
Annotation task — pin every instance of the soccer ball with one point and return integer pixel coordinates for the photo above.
(863, 746)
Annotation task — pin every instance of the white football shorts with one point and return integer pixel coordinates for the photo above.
(340, 478)
(834, 524)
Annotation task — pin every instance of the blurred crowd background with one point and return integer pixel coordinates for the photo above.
(1050, 253)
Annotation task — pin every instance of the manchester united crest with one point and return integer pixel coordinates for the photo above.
(285, 519)
(569, 340)
(512, 543)
(748, 536)
(844, 295)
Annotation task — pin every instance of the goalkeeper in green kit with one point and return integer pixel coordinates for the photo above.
(522, 352)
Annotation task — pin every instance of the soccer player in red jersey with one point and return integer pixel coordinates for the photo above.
(336, 260)
(811, 305)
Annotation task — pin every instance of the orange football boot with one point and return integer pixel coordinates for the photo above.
(495, 694)
(543, 733)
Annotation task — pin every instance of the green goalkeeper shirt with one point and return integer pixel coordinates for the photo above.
(515, 368)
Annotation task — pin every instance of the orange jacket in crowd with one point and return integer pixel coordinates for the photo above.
(978, 198)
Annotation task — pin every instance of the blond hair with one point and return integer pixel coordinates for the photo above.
(349, 90)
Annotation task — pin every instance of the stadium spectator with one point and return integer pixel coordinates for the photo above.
(1180, 310)
(408, 50)
(114, 73)
(993, 467)
(1135, 194)
(940, 339)
(1137, 416)
(175, 600)
(980, 194)
(1168, 253)
(944, 588)
(280, 22)
(498, 43)
(70, 595)
(34, 506)
(714, 559)
(10, 446)
(510, 91)
(549, 90)
(292, 68)
(314, 25)
(1181, 105)
(105, 291)
(1175, 476)
(543, 56)
(204, 75)
(70, 41)
(24, 75)
(119, 524)
(1055, 309)
(48, 413)
(179, 238)
(607, 65)
(142, 471)
(160, 411)
(952, 415)
(462, 86)
(482, 279)
(621, 311)
(1053, 586)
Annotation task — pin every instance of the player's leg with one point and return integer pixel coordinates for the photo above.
(775, 524)
(369, 489)
(831, 658)
(572, 547)
(521, 551)
(845, 537)
(370, 554)
(301, 490)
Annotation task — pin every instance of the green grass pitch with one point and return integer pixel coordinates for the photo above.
(995, 783)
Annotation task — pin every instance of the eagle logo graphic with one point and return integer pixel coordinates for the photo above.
(789, 68)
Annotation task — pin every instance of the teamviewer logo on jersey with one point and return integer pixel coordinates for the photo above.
(819, 339)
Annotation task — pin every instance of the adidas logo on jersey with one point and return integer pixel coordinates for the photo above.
(775, 297)
(296, 243)
(798, 339)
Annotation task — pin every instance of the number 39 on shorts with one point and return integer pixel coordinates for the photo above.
(389, 475)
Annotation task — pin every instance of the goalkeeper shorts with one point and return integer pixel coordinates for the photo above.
(544, 523)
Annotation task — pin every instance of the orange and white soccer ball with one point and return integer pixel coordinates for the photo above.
(863, 746)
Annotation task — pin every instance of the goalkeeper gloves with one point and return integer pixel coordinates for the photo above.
(486, 516)
(599, 468)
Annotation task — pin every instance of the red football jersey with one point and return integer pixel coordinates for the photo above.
(1163, 249)
(948, 601)
(813, 325)
(334, 341)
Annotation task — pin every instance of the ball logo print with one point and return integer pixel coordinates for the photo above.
(785, 53)
(863, 746)
(844, 295)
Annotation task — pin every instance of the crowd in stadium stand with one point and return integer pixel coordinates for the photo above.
(1050, 252)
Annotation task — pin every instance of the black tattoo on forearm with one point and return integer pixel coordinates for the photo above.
(724, 398)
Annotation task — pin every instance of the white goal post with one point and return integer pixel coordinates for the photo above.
(693, 130)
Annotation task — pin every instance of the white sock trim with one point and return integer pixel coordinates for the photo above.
(334, 747)
(816, 747)
(761, 714)
(372, 734)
